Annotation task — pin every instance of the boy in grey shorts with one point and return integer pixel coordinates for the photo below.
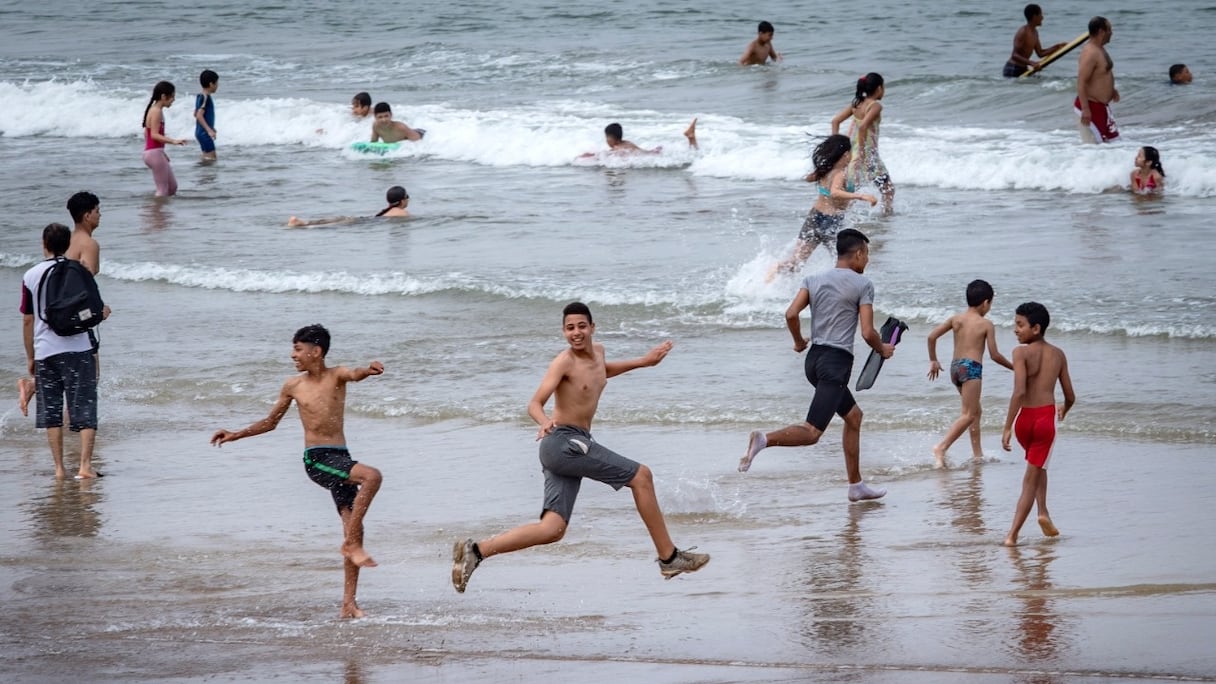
(568, 453)
(839, 299)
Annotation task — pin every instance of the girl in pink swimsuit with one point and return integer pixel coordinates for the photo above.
(1149, 176)
(154, 139)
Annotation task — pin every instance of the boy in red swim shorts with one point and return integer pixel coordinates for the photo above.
(1037, 366)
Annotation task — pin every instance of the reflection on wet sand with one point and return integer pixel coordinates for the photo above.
(964, 499)
(1040, 639)
(839, 606)
(68, 510)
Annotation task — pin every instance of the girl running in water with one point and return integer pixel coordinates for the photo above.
(830, 159)
(866, 115)
(154, 139)
(1148, 178)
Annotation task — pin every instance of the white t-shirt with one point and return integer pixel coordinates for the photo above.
(46, 342)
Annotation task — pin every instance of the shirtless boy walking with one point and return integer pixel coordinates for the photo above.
(568, 453)
(1037, 366)
(320, 394)
(972, 332)
(1096, 85)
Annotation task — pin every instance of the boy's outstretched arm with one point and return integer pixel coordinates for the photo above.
(1015, 400)
(993, 352)
(360, 374)
(1070, 397)
(934, 367)
(652, 358)
(266, 424)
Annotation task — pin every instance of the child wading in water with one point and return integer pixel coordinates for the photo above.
(1148, 178)
(830, 159)
(163, 94)
(320, 394)
(865, 114)
(1037, 366)
(972, 332)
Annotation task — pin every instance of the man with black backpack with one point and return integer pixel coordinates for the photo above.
(60, 304)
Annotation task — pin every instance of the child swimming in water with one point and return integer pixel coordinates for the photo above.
(1148, 178)
(614, 136)
(830, 159)
(398, 206)
(865, 114)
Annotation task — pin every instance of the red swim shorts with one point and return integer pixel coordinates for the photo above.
(1101, 121)
(1036, 432)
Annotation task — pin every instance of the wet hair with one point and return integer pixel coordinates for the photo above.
(576, 309)
(315, 334)
(1175, 70)
(159, 90)
(382, 107)
(363, 99)
(1035, 314)
(1153, 157)
(764, 27)
(1032, 10)
(866, 86)
(978, 292)
(395, 195)
(614, 130)
(827, 154)
(850, 240)
(82, 203)
(56, 238)
(1097, 25)
(208, 78)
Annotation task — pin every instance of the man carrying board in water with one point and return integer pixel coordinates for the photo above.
(1096, 85)
(1026, 44)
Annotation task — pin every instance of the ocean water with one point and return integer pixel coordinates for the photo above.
(462, 303)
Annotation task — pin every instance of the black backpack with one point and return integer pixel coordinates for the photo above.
(68, 300)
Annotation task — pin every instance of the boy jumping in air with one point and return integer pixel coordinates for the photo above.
(320, 394)
(568, 453)
(1037, 366)
(972, 332)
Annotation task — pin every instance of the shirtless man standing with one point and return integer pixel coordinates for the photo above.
(1026, 44)
(1096, 85)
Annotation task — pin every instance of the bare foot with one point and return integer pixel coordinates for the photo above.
(691, 133)
(939, 457)
(88, 475)
(294, 222)
(60, 473)
(1047, 526)
(351, 611)
(1010, 541)
(25, 392)
(358, 556)
(978, 457)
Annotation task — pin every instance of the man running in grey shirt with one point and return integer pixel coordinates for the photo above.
(838, 299)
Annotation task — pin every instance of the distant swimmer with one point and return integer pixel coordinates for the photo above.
(1180, 74)
(204, 114)
(834, 193)
(614, 136)
(972, 333)
(1037, 367)
(1148, 178)
(319, 392)
(1096, 85)
(387, 130)
(760, 50)
(398, 206)
(1026, 44)
(864, 116)
(361, 105)
(163, 94)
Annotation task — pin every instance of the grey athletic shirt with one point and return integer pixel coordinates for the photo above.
(835, 298)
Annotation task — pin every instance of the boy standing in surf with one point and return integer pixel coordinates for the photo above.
(761, 49)
(1026, 44)
(1037, 366)
(972, 332)
(839, 299)
(568, 453)
(204, 114)
(320, 394)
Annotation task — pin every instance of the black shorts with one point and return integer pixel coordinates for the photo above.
(73, 374)
(1014, 70)
(330, 467)
(828, 369)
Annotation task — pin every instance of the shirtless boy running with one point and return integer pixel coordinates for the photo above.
(568, 453)
(972, 332)
(320, 394)
(1037, 366)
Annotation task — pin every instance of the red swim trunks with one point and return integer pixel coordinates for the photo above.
(1101, 120)
(1036, 432)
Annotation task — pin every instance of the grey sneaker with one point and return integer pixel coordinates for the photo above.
(685, 561)
(464, 562)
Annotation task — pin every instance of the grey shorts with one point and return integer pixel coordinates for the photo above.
(820, 228)
(73, 374)
(567, 455)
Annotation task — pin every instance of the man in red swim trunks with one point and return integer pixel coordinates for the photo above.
(1037, 366)
(1096, 85)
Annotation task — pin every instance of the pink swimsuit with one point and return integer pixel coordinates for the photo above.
(156, 159)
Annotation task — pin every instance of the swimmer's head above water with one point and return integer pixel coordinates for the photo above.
(396, 197)
(361, 105)
(613, 133)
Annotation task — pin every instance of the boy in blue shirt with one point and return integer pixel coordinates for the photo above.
(204, 114)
